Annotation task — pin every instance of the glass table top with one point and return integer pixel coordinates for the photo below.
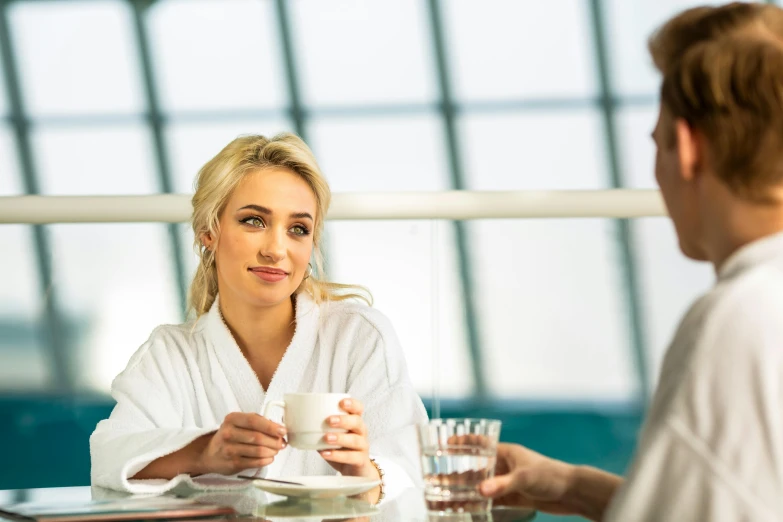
(253, 504)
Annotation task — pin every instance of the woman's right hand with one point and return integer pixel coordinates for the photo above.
(243, 441)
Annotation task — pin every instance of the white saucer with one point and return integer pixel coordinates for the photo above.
(326, 486)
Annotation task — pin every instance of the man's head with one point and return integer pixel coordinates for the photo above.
(720, 130)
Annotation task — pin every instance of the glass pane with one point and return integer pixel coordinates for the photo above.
(390, 153)
(117, 284)
(111, 160)
(558, 327)
(23, 362)
(670, 281)
(525, 151)
(77, 57)
(367, 155)
(212, 54)
(354, 52)
(511, 49)
(106, 273)
(410, 268)
(630, 25)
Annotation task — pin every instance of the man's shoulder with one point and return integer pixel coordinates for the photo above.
(730, 335)
(750, 303)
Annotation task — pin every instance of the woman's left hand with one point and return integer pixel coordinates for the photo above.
(353, 456)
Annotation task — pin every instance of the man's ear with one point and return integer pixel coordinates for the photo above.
(690, 150)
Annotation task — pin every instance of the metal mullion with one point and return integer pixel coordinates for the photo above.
(448, 114)
(625, 236)
(295, 106)
(155, 121)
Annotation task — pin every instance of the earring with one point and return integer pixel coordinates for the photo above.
(309, 271)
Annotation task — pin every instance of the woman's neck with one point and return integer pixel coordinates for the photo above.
(260, 332)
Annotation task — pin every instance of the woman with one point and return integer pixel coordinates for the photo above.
(189, 401)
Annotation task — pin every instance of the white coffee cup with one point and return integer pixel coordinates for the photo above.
(306, 418)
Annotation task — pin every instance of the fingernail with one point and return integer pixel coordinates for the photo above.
(334, 421)
(331, 438)
(282, 444)
(281, 431)
(326, 453)
(347, 403)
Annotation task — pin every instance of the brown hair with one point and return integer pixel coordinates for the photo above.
(722, 72)
(215, 183)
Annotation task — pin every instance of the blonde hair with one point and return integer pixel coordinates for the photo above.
(215, 184)
(722, 72)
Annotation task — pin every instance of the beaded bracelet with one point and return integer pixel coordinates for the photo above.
(380, 474)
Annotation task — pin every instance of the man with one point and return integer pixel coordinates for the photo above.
(712, 446)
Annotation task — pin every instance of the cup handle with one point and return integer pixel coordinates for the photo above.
(272, 404)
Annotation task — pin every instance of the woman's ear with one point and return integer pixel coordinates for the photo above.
(207, 240)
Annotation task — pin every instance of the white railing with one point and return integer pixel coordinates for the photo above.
(175, 208)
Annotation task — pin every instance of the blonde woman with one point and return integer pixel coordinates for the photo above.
(266, 324)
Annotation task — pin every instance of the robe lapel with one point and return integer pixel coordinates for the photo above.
(288, 377)
(241, 377)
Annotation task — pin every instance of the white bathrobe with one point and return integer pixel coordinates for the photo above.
(712, 445)
(186, 378)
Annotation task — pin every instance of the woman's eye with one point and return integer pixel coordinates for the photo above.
(299, 230)
(254, 221)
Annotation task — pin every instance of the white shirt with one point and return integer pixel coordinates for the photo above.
(712, 446)
(186, 378)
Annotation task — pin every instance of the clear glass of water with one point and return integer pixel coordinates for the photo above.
(456, 456)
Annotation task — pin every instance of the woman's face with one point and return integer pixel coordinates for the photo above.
(266, 237)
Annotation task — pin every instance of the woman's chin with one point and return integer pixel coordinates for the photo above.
(270, 299)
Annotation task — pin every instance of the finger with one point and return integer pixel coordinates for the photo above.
(254, 421)
(349, 441)
(503, 485)
(353, 458)
(242, 463)
(352, 406)
(351, 423)
(234, 434)
(250, 451)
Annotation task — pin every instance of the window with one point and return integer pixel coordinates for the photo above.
(76, 58)
(216, 55)
(509, 50)
(352, 52)
(114, 281)
(423, 302)
(23, 361)
(557, 317)
(551, 309)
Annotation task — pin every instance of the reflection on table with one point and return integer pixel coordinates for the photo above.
(253, 504)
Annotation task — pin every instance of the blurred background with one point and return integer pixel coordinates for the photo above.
(556, 326)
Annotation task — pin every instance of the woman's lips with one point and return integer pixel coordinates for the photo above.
(269, 274)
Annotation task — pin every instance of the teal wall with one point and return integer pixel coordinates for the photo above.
(44, 440)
